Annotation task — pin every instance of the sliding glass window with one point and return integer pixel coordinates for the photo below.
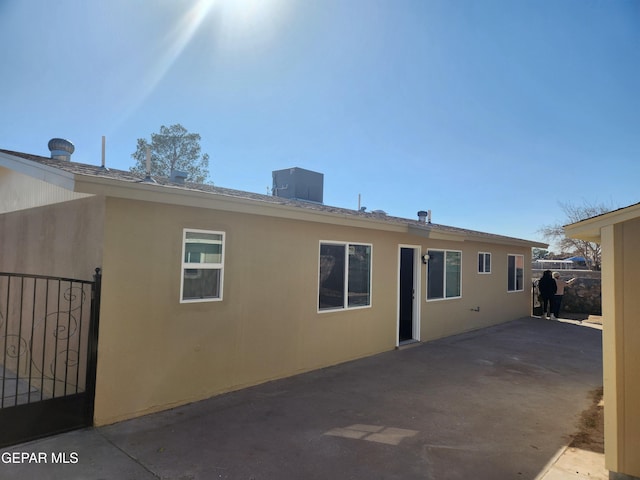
(345, 276)
(444, 274)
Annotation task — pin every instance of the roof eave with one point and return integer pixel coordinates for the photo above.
(434, 234)
(589, 229)
(38, 171)
(469, 236)
(151, 192)
(175, 195)
(588, 233)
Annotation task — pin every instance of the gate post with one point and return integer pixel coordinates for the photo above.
(92, 348)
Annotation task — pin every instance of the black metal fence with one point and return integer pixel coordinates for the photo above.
(48, 348)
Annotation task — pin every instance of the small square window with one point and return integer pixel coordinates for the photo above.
(202, 266)
(484, 262)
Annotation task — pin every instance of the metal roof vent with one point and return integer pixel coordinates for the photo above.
(178, 177)
(424, 216)
(61, 149)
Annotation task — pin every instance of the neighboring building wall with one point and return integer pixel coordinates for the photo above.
(621, 346)
(61, 240)
(155, 352)
(19, 192)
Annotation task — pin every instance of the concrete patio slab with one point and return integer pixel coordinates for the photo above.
(497, 403)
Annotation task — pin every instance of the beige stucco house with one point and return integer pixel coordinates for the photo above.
(206, 290)
(618, 232)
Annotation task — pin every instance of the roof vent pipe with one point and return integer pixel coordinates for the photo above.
(61, 149)
(104, 153)
(424, 216)
(148, 178)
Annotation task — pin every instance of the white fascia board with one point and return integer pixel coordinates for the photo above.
(588, 233)
(520, 243)
(38, 171)
(151, 192)
(435, 234)
(590, 228)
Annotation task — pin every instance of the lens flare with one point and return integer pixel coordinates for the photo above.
(233, 26)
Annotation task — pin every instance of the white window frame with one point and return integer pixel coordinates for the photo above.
(345, 303)
(444, 276)
(484, 263)
(201, 266)
(515, 272)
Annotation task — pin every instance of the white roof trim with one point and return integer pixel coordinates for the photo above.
(590, 228)
(38, 171)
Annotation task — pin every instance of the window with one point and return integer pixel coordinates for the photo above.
(484, 262)
(202, 266)
(444, 274)
(515, 268)
(345, 276)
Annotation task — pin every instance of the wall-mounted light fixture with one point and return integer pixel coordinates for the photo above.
(425, 258)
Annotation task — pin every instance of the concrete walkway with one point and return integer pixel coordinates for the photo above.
(497, 403)
(575, 463)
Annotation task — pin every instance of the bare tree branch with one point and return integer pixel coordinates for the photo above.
(570, 246)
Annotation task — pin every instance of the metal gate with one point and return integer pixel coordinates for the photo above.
(48, 353)
(536, 305)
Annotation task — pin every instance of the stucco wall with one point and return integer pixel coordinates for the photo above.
(62, 240)
(155, 352)
(485, 300)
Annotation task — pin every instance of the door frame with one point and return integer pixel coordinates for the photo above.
(417, 275)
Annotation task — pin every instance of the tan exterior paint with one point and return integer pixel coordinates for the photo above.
(485, 300)
(165, 352)
(618, 232)
(610, 344)
(156, 352)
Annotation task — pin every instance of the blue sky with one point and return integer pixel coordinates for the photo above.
(488, 112)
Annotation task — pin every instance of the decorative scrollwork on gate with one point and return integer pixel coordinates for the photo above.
(15, 346)
(42, 344)
(58, 350)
